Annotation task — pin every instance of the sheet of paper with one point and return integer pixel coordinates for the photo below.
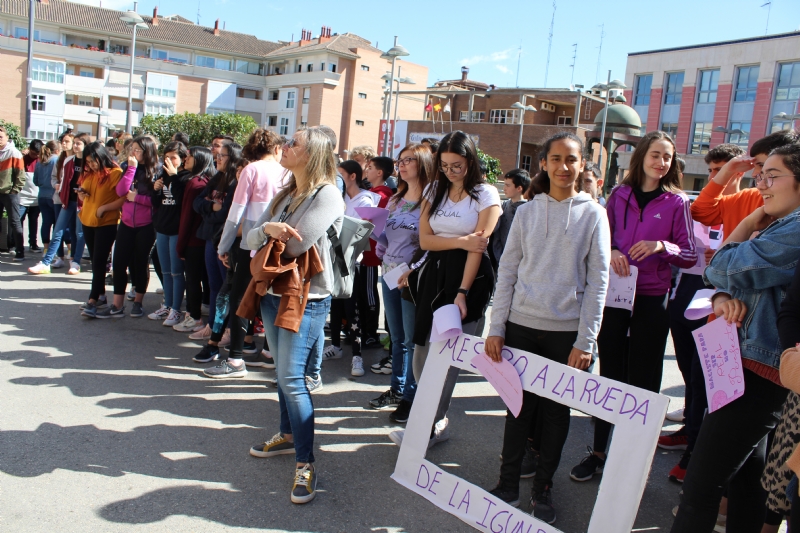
(622, 291)
(376, 215)
(504, 378)
(391, 277)
(700, 306)
(718, 346)
(700, 266)
(446, 323)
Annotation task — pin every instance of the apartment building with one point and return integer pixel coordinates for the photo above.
(741, 86)
(82, 63)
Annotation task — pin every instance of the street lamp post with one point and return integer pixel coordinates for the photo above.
(399, 80)
(135, 21)
(29, 76)
(728, 132)
(393, 53)
(100, 113)
(616, 84)
(522, 108)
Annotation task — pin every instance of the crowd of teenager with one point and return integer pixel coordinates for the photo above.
(229, 228)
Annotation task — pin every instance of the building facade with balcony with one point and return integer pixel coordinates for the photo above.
(740, 86)
(82, 63)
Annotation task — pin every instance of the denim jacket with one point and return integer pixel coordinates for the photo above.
(758, 272)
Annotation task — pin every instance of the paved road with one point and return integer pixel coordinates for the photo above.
(109, 426)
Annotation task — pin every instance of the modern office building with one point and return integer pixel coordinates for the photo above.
(707, 94)
(82, 62)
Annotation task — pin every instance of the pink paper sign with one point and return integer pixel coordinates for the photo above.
(504, 378)
(718, 346)
(377, 215)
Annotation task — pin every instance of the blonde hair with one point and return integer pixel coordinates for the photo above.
(320, 169)
(367, 151)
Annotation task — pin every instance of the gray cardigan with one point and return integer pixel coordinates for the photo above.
(311, 220)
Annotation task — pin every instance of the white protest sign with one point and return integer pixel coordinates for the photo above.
(622, 290)
(637, 416)
(718, 346)
(393, 276)
(446, 323)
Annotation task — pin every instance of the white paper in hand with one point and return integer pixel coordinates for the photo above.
(391, 277)
(718, 347)
(622, 290)
(700, 306)
(446, 323)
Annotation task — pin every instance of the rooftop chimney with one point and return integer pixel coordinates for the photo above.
(155, 16)
(305, 37)
(216, 27)
(325, 34)
(464, 73)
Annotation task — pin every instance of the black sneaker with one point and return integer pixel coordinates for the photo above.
(589, 466)
(89, 310)
(35, 248)
(529, 463)
(207, 354)
(400, 415)
(111, 311)
(136, 311)
(249, 347)
(511, 497)
(305, 484)
(261, 359)
(388, 399)
(100, 304)
(19, 257)
(543, 508)
(384, 367)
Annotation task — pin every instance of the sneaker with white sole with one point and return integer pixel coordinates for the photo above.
(173, 319)
(226, 370)
(131, 294)
(305, 484)
(39, 268)
(75, 269)
(187, 326)
(136, 310)
(262, 359)
(440, 433)
(277, 445)
(313, 385)
(57, 263)
(674, 416)
(357, 366)
(331, 352)
(101, 303)
(160, 314)
(383, 367)
(111, 311)
(203, 334)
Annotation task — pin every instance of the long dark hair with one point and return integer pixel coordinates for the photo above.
(149, 161)
(425, 170)
(203, 162)
(228, 176)
(636, 176)
(352, 167)
(540, 184)
(98, 153)
(458, 143)
(63, 157)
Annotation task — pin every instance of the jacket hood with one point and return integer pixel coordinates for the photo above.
(552, 203)
(9, 150)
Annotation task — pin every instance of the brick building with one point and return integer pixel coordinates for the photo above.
(82, 62)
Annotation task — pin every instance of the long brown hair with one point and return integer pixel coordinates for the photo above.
(425, 170)
(636, 176)
(46, 152)
(62, 157)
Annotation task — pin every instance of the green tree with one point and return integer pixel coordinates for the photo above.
(200, 128)
(14, 133)
(493, 170)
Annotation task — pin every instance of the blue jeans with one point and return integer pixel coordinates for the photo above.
(50, 211)
(171, 270)
(400, 316)
(66, 218)
(292, 352)
(216, 277)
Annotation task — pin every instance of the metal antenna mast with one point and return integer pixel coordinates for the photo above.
(769, 9)
(519, 58)
(572, 66)
(600, 53)
(550, 43)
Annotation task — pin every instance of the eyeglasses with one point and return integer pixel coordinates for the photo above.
(137, 151)
(222, 156)
(405, 161)
(291, 143)
(454, 169)
(768, 178)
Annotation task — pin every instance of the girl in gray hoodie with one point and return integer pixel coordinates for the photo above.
(551, 289)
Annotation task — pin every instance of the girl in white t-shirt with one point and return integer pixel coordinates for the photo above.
(459, 212)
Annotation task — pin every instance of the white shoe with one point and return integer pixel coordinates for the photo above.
(676, 415)
(57, 263)
(132, 293)
(357, 366)
(173, 318)
(39, 268)
(74, 269)
(159, 314)
(331, 352)
(187, 325)
(441, 432)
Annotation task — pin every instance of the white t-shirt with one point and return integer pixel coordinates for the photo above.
(461, 218)
(362, 199)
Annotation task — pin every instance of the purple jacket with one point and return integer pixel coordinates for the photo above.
(139, 212)
(666, 219)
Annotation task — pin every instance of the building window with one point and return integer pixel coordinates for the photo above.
(746, 84)
(504, 116)
(50, 71)
(709, 80)
(526, 163)
(37, 102)
(213, 62)
(701, 138)
(309, 68)
(86, 101)
(359, 122)
(43, 135)
(272, 120)
(564, 121)
(671, 129)
(363, 96)
(284, 130)
(304, 121)
(322, 67)
(306, 95)
(158, 91)
(87, 73)
(156, 108)
(365, 67)
(740, 139)
(643, 85)
(249, 67)
(477, 116)
(332, 67)
(251, 94)
(298, 68)
(674, 88)
(273, 95)
(290, 100)
(789, 82)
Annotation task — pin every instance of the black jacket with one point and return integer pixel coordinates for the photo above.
(436, 284)
(167, 202)
(213, 221)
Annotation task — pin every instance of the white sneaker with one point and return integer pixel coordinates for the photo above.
(676, 415)
(441, 432)
(74, 269)
(331, 352)
(159, 314)
(357, 366)
(39, 268)
(132, 293)
(57, 263)
(173, 319)
(187, 326)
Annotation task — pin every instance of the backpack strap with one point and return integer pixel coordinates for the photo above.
(337, 251)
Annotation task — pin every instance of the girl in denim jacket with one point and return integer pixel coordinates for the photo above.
(751, 272)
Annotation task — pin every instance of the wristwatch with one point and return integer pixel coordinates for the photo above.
(463, 291)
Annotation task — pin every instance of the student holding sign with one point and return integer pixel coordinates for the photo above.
(542, 307)
(651, 229)
(751, 277)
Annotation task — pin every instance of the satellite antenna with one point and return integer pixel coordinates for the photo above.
(550, 43)
(572, 66)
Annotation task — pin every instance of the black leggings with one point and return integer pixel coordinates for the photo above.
(365, 286)
(348, 310)
(99, 240)
(132, 250)
(195, 267)
(637, 359)
(240, 327)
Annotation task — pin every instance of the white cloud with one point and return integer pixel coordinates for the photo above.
(503, 69)
(494, 56)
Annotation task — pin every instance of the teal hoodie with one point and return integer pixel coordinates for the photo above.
(553, 274)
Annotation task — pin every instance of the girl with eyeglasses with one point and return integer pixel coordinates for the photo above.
(459, 213)
(752, 272)
(401, 242)
(136, 236)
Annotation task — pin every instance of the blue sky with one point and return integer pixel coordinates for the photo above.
(489, 42)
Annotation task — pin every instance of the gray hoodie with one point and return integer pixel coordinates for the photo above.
(553, 274)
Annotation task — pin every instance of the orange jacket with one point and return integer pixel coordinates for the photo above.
(712, 208)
